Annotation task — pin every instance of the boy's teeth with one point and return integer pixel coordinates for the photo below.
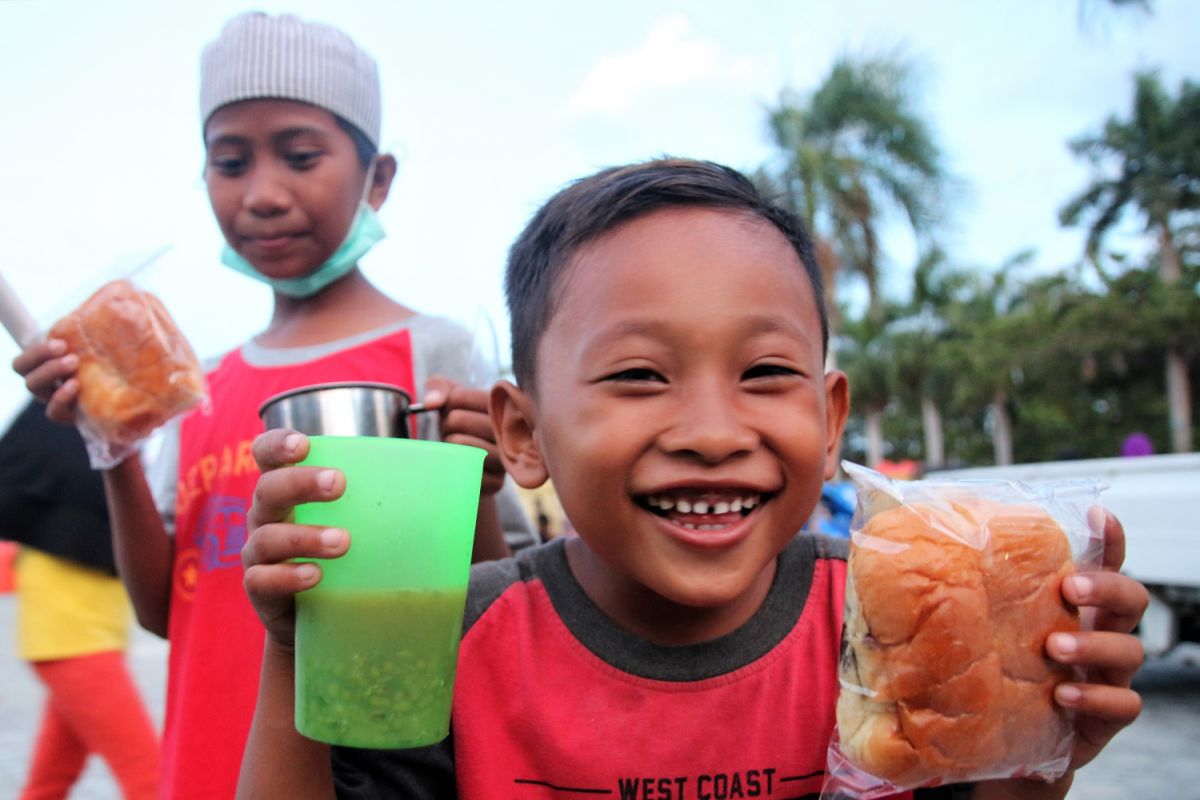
(702, 506)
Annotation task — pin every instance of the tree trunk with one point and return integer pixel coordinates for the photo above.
(935, 450)
(874, 437)
(1179, 402)
(1168, 254)
(1179, 390)
(827, 261)
(1001, 430)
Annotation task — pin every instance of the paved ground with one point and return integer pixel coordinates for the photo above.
(1159, 755)
(1157, 758)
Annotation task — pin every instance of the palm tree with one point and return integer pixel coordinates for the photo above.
(862, 352)
(852, 150)
(1150, 164)
(781, 190)
(990, 336)
(916, 338)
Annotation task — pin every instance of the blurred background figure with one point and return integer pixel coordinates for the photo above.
(73, 615)
(834, 512)
(1137, 444)
(542, 506)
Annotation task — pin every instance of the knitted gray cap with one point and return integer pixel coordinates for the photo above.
(262, 56)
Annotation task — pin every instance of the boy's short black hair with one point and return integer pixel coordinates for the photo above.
(363, 148)
(594, 205)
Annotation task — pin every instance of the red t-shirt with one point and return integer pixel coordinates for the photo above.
(216, 638)
(554, 700)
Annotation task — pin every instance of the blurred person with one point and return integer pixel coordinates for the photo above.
(290, 115)
(73, 615)
(1137, 444)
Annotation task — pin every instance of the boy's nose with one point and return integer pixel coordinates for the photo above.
(266, 195)
(711, 427)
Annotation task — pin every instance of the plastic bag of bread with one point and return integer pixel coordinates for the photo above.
(136, 369)
(951, 590)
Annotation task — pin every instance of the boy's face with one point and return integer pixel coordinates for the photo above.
(682, 409)
(284, 182)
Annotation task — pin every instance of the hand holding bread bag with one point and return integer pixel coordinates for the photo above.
(951, 591)
(136, 369)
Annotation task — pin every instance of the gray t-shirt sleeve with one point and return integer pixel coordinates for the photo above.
(161, 464)
(160, 461)
(440, 347)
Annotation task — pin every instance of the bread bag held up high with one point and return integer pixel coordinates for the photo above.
(951, 590)
(136, 369)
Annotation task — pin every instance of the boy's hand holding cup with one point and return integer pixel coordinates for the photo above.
(375, 630)
(273, 577)
(463, 419)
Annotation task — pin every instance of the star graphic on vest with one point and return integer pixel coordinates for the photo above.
(189, 576)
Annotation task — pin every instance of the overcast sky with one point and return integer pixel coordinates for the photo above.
(491, 107)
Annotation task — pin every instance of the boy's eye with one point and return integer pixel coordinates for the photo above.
(760, 371)
(637, 375)
(228, 165)
(302, 159)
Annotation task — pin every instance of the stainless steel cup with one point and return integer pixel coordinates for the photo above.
(342, 409)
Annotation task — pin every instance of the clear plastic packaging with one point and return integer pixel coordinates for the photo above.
(136, 370)
(952, 588)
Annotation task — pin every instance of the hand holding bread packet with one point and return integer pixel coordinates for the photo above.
(952, 589)
(125, 370)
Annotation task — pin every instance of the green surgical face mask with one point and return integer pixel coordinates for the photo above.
(365, 232)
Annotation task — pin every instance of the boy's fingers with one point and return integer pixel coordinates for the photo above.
(468, 398)
(279, 447)
(1117, 601)
(1110, 708)
(443, 393)
(272, 588)
(276, 584)
(1105, 522)
(273, 543)
(62, 403)
(44, 379)
(1117, 656)
(282, 489)
(33, 355)
(468, 423)
(437, 391)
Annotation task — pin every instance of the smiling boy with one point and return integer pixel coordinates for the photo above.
(668, 343)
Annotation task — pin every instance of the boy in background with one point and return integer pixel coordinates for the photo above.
(668, 341)
(290, 115)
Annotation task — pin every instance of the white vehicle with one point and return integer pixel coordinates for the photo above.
(1157, 499)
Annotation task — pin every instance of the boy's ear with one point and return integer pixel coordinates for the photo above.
(514, 420)
(381, 180)
(837, 409)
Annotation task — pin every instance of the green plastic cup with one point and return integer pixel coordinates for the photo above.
(377, 639)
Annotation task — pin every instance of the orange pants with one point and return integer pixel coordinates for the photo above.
(93, 706)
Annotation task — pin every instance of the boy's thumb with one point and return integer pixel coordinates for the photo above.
(434, 398)
(437, 389)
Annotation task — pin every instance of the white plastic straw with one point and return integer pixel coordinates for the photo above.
(16, 317)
